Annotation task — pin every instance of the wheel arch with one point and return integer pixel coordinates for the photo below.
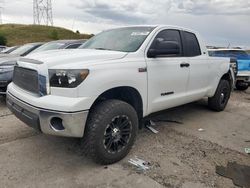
(229, 77)
(127, 94)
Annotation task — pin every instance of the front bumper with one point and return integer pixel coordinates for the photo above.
(73, 123)
(244, 78)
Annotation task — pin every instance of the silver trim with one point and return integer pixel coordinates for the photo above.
(74, 122)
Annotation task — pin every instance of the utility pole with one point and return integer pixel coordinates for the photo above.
(42, 12)
(1, 19)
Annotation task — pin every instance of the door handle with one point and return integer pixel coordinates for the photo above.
(184, 65)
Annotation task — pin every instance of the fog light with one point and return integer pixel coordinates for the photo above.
(56, 124)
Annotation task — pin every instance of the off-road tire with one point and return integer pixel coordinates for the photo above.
(220, 99)
(241, 87)
(99, 119)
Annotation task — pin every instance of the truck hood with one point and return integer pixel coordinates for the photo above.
(75, 57)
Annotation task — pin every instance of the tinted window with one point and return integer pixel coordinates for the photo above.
(73, 46)
(192, 47)
(168, 35)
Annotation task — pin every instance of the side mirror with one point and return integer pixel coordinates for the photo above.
(164, 48)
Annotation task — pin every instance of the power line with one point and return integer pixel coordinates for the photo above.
(42, 12)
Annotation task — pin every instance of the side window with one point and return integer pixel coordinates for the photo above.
(73, 46)
(170, 36)
(192, 47)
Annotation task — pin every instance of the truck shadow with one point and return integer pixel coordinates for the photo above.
(180, 113)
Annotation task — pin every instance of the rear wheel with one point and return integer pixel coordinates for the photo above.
(242, 86)
(220, 99)
(110, 131)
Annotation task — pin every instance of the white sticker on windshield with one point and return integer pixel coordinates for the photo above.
(145, 33)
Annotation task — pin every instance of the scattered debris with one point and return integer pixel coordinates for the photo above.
(140, 164)
(201, 130)
(151, 122)
(168, 121)
(149, 125)
(240, 174)
(152, 129)
(247, 150)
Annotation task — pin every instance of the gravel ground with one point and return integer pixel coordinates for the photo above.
(179, 155)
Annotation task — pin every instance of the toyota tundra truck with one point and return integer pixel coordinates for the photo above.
(103, 92)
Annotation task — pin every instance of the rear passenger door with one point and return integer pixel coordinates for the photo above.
(199, 66)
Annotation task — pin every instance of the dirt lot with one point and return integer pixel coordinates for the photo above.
(180, 155)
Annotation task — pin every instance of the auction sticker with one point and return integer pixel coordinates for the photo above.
(140, 33)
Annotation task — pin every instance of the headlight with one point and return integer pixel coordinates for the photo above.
(69, 78)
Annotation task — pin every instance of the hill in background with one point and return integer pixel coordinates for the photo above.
(21, 34)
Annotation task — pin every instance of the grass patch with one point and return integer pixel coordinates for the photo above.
(17, 34)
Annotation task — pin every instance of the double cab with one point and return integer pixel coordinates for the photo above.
(103, 92)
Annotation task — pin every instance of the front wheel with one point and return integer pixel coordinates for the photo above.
(110, 131)
(220, 99)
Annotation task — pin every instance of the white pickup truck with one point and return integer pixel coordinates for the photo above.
(103, 92)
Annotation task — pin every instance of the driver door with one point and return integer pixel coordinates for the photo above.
(168, 71)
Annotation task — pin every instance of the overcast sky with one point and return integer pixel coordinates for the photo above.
(220, 22)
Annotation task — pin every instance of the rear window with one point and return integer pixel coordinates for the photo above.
(192, 47)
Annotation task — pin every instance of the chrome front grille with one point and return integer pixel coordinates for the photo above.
(26, 79)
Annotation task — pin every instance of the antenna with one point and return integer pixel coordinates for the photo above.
(42, 12)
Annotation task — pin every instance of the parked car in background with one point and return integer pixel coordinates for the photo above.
(60, 44)
(2, 48)
(9, 50)
(102, 92)
(243, 64)
(8, 61)
(22, 50)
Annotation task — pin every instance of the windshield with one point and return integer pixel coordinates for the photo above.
(23, 49)
(239, 54)
(123, 39)
(49, 46)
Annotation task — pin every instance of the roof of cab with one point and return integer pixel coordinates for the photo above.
(226, 49)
